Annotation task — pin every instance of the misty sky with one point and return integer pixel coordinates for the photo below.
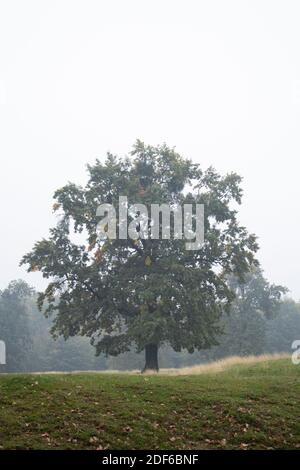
(220, 80)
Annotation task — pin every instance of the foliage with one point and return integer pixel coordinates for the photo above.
(256, 300)
(29, 344)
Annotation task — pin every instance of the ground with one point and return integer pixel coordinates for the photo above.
(253, 405)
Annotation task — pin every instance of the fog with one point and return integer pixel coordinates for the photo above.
(218, 80)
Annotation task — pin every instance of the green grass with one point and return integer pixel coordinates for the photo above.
(245, 407)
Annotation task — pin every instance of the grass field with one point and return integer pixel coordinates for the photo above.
(247, 405)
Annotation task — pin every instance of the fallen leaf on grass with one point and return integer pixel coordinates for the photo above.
(127, 429)
(244, 446)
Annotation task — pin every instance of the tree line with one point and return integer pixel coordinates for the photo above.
(256, 324)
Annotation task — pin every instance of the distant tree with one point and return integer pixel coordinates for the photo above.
(74, 354)
(29, 345)
(143, 292)
(284, 328)
(256, 300)
(14, 325)
(129, 360)
(48, 354)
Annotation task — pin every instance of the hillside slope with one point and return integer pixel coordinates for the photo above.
(246, 406)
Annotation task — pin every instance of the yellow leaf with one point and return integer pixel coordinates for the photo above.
(148, 261)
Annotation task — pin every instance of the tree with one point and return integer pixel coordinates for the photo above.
(143, 292)
(256, 301)
(284, 328)
(14, 325)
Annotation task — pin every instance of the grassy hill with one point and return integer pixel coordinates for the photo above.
(244, 405)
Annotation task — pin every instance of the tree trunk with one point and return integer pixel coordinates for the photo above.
(151, 358)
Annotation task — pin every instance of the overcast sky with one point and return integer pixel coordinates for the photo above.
(220, 80)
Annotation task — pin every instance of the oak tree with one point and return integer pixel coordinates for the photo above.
(143, 292)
